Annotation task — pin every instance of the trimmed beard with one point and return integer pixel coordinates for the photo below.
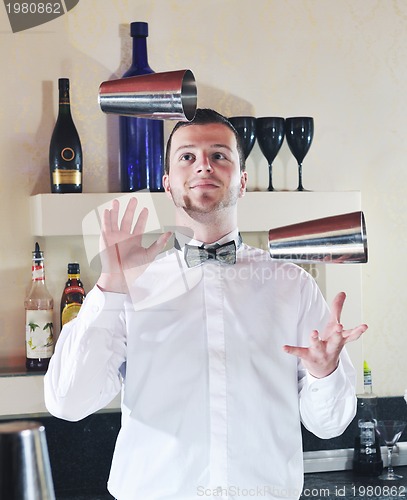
(192, 207)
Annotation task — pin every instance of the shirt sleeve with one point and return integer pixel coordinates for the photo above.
(84, 372)
(327, 405)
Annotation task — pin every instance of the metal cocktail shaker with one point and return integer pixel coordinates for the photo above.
(337, 239)
(168, 96)
(25, 471)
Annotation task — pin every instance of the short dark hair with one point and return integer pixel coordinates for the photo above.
(206, 116)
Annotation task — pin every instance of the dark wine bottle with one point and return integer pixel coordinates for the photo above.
(367, 458)
(39, 313)
(65, 151)
(141, 139)
(73, 294)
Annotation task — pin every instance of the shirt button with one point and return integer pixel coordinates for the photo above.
(314, 389)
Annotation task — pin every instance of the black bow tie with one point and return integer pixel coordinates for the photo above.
(226, 254)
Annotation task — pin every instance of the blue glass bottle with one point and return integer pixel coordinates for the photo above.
(141, 139)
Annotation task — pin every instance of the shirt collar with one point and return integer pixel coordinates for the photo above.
(183, 239)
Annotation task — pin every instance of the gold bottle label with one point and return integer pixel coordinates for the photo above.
(60, 176)
(70, 312)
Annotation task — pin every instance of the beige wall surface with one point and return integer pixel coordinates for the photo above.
(342, 62)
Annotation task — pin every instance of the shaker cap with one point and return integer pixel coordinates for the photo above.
(139, 29)
(73, 268)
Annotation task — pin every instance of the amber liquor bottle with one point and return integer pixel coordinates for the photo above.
(73, 294)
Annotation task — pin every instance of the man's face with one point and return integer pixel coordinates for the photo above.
(204, 174)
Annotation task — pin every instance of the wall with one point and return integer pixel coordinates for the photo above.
(341, 62)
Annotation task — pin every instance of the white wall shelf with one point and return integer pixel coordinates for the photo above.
(26, 397)
(72, 214)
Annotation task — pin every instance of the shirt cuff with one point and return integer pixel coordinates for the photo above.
(98, 307)
(332, 383)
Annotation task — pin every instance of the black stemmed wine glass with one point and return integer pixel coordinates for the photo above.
(299, 132)
(270, 136)
(246, 128)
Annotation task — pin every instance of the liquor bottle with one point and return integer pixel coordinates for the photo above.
(39, 329)
(141, 139)
(367, 459)
(73, 294)
(65, 151)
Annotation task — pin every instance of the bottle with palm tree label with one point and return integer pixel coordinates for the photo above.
(39, 329)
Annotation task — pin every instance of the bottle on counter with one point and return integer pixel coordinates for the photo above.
(141, 139)
(367, 459)
(73, 294)
(39, 329)
(65, 151)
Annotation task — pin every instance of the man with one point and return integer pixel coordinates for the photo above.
(199, 338)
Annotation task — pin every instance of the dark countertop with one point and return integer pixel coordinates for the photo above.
(84, 496)
(318, 486)
(345, 485)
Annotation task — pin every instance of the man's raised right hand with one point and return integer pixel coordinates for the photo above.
(122, 255)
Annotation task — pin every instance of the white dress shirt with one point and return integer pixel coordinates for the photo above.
(211, 404)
